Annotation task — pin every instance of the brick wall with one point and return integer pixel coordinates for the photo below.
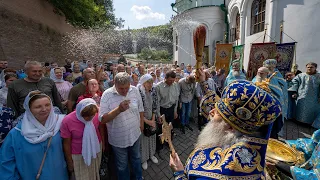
(29, 29)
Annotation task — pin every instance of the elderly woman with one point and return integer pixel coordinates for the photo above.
(63, 86)
(81, 141)
(33, 149)
(92, 91)
(8, 78)
(148, 139)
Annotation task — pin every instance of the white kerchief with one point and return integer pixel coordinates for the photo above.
(54, 77)
(33, 131)
(142, 80)
(90, 141)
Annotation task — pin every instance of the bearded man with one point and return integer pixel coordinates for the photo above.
(262, 74)
(279, 89)
(306, 91)
(234, 74)
(233, 144)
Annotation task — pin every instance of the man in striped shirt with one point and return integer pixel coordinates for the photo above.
(122, 110)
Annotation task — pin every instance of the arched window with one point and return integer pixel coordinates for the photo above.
(258, 11)
(235, 31)
(238, 26)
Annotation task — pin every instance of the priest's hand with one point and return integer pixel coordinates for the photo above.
(175, 163)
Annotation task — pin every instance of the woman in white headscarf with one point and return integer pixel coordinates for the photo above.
(56, 74)
(148, 139)
(33, 149)
(82, 141)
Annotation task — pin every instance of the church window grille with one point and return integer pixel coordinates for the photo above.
(258, 11)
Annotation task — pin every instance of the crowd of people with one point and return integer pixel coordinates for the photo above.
(72, 117)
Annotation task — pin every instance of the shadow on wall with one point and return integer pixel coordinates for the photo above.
(282, 6)
(301, 19)
(22, 38)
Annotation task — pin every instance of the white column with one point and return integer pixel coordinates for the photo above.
(210, 46)
(272, 13)
(242, 29)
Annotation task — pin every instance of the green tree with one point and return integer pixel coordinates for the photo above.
(87, 13)
(142, 40)
(145, 53)
(158, 37)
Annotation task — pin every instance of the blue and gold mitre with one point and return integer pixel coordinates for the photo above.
(270, 62)
(246, 107)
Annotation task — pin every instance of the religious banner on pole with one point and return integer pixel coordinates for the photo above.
(259, 52)
(223, 56)
(284, 57)
(237, 54)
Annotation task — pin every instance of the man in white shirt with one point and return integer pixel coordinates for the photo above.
(122, 110)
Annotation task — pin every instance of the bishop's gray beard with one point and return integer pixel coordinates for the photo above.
(235, 73)
(260, 79)
(214, 134)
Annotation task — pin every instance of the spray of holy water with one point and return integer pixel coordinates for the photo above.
(95, 43)
(92, 43)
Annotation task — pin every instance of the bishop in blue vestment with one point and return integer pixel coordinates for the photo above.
(233, 144)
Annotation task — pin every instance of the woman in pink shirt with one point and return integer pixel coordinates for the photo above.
(82, 141)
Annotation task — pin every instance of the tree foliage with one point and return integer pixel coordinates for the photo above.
(88, 13)
(148, 54)
(155, 37)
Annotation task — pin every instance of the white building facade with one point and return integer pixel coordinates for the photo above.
(245, 23)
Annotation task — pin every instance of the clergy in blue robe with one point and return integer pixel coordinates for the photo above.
(279, 89)
(24, 147)
(291, 101)
(234, 74)
(311, 149)
(278, 85)
(307, 89)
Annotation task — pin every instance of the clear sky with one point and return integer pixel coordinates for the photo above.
(143, 13)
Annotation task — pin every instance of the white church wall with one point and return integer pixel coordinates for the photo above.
(216, 36)
(301, 22)
(212, 18)
(233, 10)
(184, 49)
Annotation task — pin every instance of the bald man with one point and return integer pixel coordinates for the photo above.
(120, 68)
(262, 74)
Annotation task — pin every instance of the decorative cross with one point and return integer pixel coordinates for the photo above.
(266, 26)
(166, 134)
